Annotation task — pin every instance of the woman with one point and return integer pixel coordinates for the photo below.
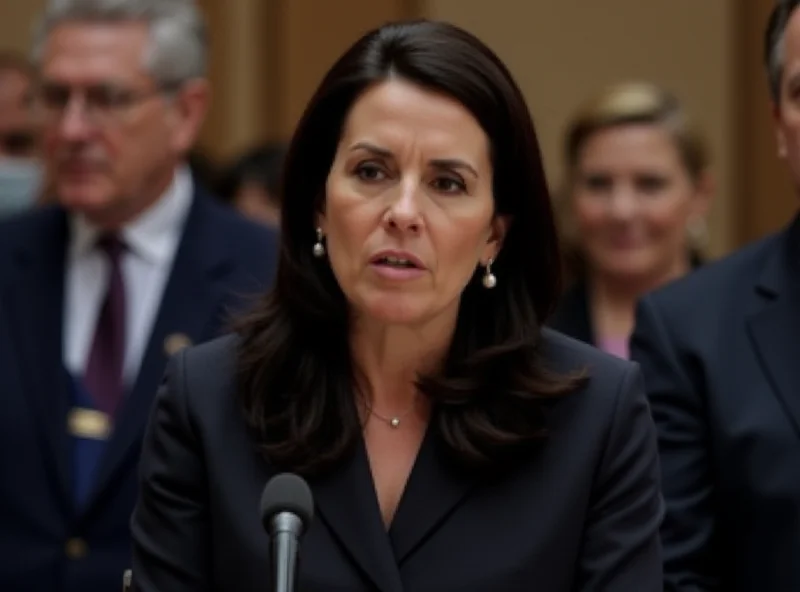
(638, 191)
(399, 365)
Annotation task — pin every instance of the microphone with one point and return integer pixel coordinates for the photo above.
(287, 508)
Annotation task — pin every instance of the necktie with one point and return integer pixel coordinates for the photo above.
(104, 372)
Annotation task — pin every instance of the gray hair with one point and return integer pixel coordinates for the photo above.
(774, 44)
(178, 49)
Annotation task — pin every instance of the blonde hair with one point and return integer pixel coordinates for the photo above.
(638, 103)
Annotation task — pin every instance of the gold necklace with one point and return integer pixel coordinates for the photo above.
(393, 421)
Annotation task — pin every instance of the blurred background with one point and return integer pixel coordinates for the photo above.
(268, 55)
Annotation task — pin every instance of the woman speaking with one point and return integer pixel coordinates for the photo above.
(400, 365)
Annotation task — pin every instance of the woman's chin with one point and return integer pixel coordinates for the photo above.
(395, 316)
(394, 309)
(630, 266)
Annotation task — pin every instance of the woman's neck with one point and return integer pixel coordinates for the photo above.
(390, 358)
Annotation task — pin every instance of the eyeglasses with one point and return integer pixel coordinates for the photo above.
(101, 105)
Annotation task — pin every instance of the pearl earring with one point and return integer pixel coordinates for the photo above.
(489, 279)
(319, 248)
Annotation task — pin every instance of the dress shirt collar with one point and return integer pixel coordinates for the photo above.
(154, 234)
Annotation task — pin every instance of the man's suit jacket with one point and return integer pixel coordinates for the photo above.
(720, 353)
(45, 544)
(582, 514)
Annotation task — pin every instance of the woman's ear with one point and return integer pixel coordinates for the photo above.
(319, 217)
(499, 229)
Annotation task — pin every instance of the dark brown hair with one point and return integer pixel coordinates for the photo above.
(296, 378)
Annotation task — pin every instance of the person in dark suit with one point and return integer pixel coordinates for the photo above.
(637, 191)
(719, 354)
(400, 366)
(134, 263)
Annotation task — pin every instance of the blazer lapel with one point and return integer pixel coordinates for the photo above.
(190, 308)
(348, 505)
(775, 328)
(35, 312)
(435, 489)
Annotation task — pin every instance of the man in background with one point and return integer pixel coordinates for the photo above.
(134, 262)
(720, 355)
(20, 170)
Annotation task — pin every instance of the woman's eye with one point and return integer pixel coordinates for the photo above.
(370, 172)
(449, 185)
(598, 183)
(651, 184)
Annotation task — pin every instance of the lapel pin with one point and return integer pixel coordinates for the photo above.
(88, 424)
(175, 343)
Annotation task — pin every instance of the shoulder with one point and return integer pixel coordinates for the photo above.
(606, 375)
(17, 230)
(697, 293)
(200, 387)
(209, 367)
(29, 232)
(608, 406)
(566, 354)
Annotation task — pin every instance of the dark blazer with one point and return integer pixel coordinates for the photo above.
(573, 316)
(580, 515)
(719, 352)
(45, 544)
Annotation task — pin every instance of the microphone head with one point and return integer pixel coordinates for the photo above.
(287, 492)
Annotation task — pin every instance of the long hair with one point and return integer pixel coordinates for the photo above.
(296, 378)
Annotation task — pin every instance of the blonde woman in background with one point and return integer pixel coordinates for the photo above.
(638, 189)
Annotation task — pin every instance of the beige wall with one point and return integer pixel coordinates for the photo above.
(16, 23)
(562, 51)
(268, 55)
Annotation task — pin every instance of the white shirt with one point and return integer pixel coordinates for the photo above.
(151, 242)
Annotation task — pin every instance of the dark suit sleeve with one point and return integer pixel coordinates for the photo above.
(170, 524)
(621, 550)
(687, 532)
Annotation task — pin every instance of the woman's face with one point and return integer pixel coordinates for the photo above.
(633, 199)
(409, 210)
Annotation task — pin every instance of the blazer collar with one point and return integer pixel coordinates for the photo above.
(348, 505)
(774, 325)
(192, 304)
(34, 311)
(781, 273)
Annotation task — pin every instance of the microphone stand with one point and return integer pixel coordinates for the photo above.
(286, 530)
